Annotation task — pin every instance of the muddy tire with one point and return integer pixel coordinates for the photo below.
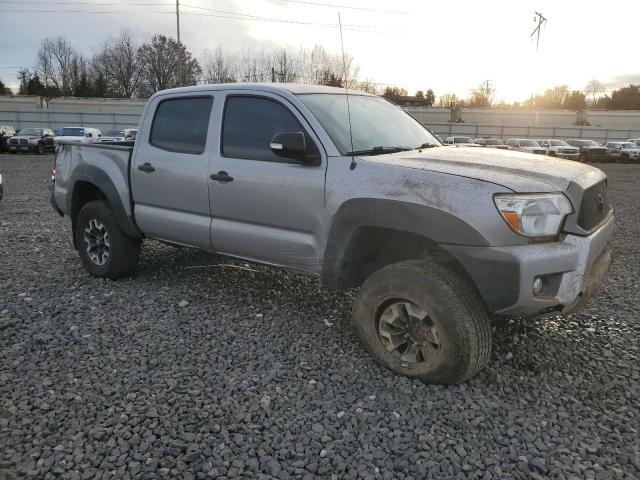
(422, 320)
(104, 249)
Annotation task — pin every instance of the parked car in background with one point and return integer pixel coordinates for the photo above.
(460, 141)
(78, 134)
(121, 135)
(35, 140)
(590, 150)
(560, 148)
(491, 142)
(623, 151)
(526, 145)
(635, 140)
(6, 132)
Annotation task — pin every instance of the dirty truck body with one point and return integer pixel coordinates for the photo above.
(437, 238)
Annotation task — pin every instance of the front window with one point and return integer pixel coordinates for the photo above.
(629, 145)
(375, 122)
(462, 140)
(528, 143)
(72, 132)
(31, 131)
(558, 143)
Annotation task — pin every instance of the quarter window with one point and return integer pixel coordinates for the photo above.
(250, 124)
(181, 124)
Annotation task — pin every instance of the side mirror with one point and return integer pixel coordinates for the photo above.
(289, 145)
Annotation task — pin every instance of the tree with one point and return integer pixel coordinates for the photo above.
(483, 95)
(551, 98)
(35, 86)
(55, 62)
(24, 75)
(430, 98)
(120, 64)
(575, 101)
(394, 93)
(419, 95)
(594, 89)
(626, 98)
(448, 100)
(217, 68)
(4, 90)
(367, 86)
(166, 65)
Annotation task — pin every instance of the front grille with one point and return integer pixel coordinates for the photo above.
(595, 206)
(539, 151)
(597, 152)
(24, 141)
(13, 141)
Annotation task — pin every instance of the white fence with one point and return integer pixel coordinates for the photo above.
(108, 113)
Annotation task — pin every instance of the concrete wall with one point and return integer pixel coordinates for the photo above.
(107, 113)
(102, 113)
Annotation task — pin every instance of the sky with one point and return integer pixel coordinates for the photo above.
(450, 47)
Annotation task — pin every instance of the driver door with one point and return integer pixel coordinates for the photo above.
(264, 207)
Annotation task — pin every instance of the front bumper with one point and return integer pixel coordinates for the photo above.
(571, 270)
(569, 156)
(22, 148)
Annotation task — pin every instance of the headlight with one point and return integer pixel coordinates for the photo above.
(534, 214)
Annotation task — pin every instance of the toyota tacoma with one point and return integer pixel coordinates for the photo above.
(348, 187)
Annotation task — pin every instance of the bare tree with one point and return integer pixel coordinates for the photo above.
(483, 95)
(448, 100)
(55, 62)
(218, 68)
(594, 89)
(120, 64)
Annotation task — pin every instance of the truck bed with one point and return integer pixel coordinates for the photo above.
(102, 163)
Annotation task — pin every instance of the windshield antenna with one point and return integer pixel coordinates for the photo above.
(346, 92)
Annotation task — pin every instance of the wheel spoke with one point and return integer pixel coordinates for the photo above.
(411, 353)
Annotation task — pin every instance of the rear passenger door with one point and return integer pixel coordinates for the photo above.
(270, 208)
(169, 175)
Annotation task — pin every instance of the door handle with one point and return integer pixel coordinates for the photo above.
(221, 176)
(146, 167)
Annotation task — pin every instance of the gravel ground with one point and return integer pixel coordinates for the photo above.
(188, 372)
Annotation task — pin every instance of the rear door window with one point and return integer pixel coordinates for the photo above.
(181, 124)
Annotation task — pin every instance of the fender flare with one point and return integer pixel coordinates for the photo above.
(98, 178)
(429, 222)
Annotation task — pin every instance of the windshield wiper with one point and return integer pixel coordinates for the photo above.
(379, 150)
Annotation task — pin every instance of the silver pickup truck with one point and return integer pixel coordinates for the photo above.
(438, 239)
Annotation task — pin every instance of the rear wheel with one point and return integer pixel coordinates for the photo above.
(422, 320)
(104, 249)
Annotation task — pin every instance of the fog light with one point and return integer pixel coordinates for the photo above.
(537, 286)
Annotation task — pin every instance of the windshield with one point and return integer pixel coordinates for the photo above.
(528, 143)
(30, 131)
(558, 143)
(462, 140)
(72, 132)
(114, 133)
(627, 146)
(374, 122)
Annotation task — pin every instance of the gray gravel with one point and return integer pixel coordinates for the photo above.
(219, 372)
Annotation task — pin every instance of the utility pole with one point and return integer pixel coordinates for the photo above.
(179, 44)
(540, 19)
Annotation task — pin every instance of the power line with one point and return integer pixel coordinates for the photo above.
(257, 17)
(333, 5)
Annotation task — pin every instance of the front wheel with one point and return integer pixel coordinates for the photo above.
(422, 320)
(105, 250)
(40, 149)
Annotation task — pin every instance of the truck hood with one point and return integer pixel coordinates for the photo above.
(29, 137)
(517, 171)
